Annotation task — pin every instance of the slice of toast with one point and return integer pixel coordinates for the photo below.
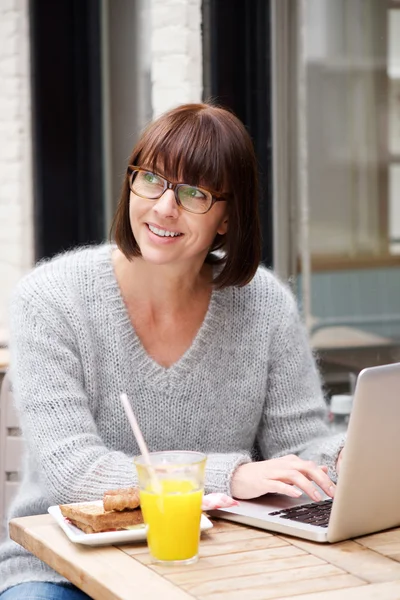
(122, 499)
(93, 516)
(88, 529)
(83, 527)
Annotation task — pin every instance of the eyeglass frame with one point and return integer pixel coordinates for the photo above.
(174, 187)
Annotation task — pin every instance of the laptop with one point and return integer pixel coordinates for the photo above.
(367, 495)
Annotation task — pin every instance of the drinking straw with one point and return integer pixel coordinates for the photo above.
(140, 441)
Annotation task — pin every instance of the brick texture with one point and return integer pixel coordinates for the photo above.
(16, 229)
(176, 49)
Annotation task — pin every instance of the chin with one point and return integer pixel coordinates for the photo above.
(155, 258)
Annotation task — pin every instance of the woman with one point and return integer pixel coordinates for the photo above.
(178, 314)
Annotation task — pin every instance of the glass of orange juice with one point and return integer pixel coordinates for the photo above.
(171, 492)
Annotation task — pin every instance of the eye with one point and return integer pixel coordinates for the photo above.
(193, 192)
(151, 178)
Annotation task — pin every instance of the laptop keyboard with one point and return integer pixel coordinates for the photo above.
(316, 513)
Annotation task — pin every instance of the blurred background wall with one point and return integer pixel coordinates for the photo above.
(16, 194)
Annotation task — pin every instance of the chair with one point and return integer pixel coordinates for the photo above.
(11, 450)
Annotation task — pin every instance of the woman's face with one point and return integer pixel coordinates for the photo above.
(192, 234)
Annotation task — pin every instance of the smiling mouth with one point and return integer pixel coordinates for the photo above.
(163, 232)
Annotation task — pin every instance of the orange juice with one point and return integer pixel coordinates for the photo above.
(173, 519)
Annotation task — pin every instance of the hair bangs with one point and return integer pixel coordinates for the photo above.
(191, 151)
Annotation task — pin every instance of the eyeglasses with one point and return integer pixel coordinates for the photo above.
(151, 186)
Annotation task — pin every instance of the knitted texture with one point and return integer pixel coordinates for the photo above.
(248, 380)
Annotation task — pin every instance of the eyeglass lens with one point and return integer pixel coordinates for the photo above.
(152, 186)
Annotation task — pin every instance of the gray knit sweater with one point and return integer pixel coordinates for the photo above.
(247, 380)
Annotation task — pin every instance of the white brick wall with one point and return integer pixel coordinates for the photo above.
(176, 49)
(16, 231)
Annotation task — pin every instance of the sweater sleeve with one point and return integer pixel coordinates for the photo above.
(57, 423)
(295, 414)
(220, 468)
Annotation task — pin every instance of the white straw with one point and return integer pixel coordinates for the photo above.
(140, 440)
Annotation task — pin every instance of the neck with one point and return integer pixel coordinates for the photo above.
(161, 286)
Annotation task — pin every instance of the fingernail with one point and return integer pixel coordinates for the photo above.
(297, 493)
(317, 496)
(331, 490)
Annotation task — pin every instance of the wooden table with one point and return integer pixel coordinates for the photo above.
(236, 563)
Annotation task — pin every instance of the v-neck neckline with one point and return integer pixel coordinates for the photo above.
(144, 362)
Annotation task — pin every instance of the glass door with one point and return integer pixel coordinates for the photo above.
(337, 175)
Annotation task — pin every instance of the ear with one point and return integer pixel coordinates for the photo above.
(223, 227)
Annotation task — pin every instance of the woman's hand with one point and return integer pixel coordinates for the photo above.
(280, 475)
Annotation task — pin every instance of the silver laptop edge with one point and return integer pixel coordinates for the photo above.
(367, 495)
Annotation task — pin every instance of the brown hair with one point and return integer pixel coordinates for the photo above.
(204, 145)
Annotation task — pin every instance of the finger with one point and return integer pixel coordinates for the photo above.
(297, 478)
(295, 462)
(313, 472)
(318, 476)
(323, 468)
(279, 487)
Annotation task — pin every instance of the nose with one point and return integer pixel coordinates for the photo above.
(166, 205)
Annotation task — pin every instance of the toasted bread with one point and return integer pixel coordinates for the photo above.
(121, 499)
(83, 527)
(88, 529)
(93, 516)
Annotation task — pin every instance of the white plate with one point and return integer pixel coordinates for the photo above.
(136, 534)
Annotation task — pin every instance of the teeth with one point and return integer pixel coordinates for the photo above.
(163, 232)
